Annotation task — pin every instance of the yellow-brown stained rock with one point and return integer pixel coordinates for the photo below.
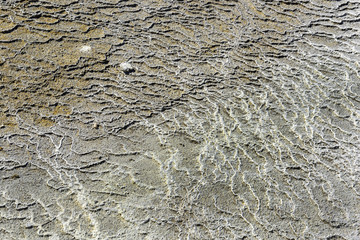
(71, 26)
(23, 33)
(47, 20)
(62, 110)
(95, 33)
(6, 26)
(63, 53)
(43, 122)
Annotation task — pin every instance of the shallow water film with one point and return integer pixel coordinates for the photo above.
(187, 119)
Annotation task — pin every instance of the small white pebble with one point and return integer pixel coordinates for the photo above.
(126, 67)
(85, 49)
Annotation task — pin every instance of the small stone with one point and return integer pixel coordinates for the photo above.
(127, 68)
(85, 49)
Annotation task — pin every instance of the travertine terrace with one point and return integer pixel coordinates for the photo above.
(237, 119)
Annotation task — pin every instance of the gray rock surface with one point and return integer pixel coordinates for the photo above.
(241, 120)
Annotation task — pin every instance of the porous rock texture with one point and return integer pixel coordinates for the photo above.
(241, 121)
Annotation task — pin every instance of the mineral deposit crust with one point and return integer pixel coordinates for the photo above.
(179, 119)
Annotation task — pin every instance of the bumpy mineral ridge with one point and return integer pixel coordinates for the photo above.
(239, 119)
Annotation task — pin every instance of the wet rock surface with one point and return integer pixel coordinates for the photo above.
(241, 120)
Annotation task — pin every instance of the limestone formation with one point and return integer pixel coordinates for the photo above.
(241, 120)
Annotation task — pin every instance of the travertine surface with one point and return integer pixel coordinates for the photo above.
(237, 119)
